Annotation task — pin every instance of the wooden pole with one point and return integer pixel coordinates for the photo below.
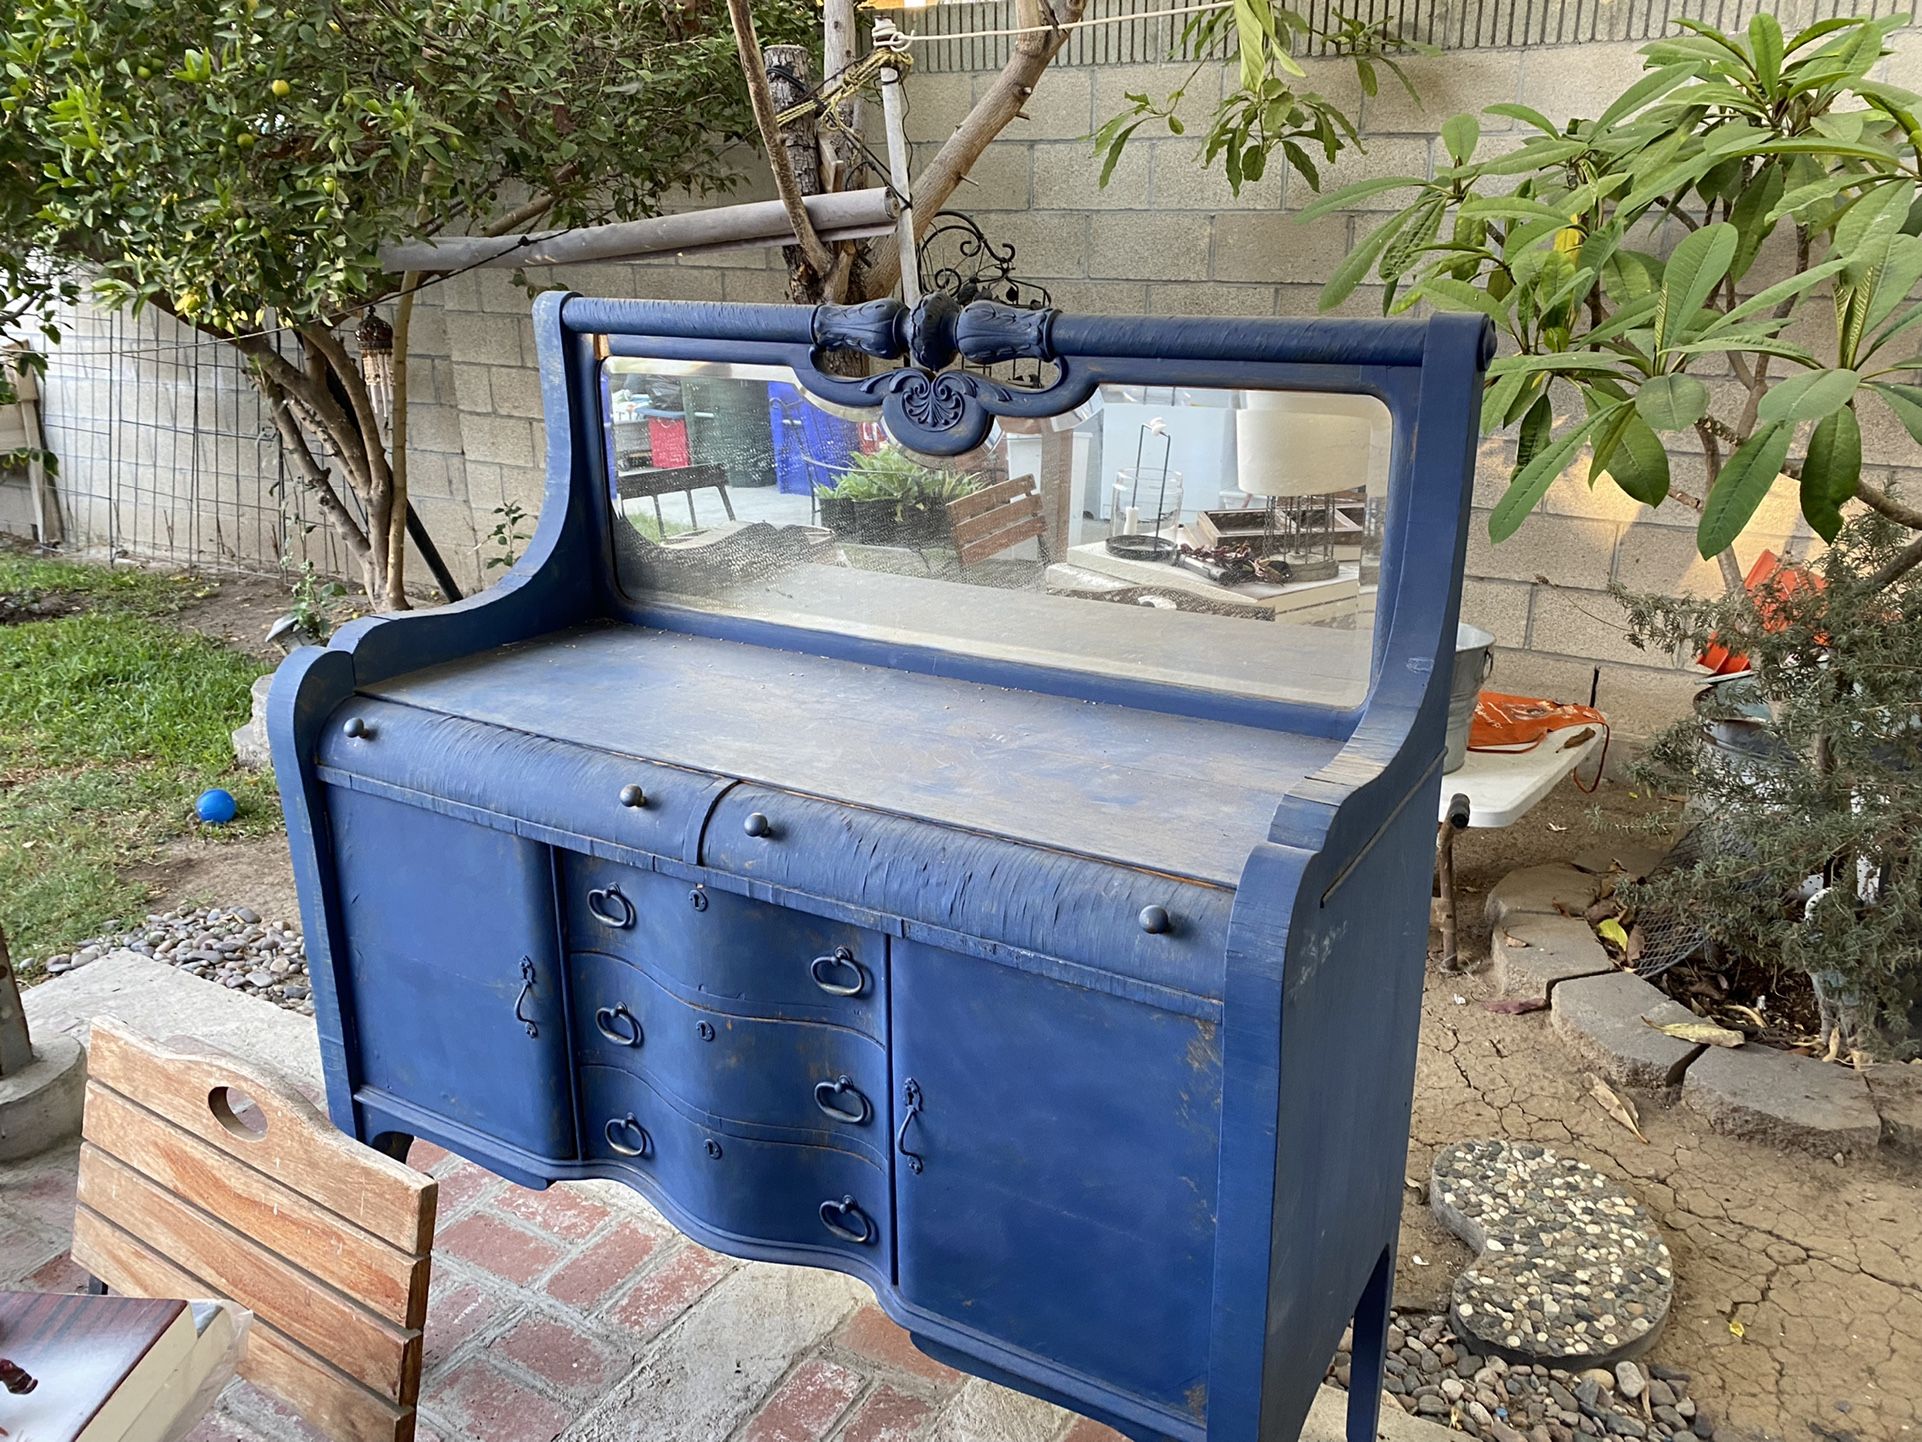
(894, 117)
(840, 157)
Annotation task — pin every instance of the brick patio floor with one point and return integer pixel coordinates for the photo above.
(580, 1313)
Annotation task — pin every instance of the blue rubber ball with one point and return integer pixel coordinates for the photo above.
(216, 807)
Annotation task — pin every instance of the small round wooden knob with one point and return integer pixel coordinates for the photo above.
(633, 796)
(757, 824)
(1155, 920)
(356, 729)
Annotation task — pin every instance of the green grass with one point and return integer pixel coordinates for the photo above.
(111, 722)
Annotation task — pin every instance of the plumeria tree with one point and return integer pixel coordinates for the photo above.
(239, 163)
(1618, 257)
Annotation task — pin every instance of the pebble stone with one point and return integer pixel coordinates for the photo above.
(230, 946)
(1487, 1396)
(1570, 1268)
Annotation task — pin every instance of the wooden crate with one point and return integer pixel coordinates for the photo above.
(991, 520)
(203, 1176)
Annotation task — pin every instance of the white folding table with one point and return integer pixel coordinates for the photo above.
(1494, 789)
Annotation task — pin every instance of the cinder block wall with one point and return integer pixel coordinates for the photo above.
(1167, 236)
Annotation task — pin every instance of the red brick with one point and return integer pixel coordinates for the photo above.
(425, 1156)
(887, 1416)
(562, 1354)
(463, 1184)
(669, 1289)
(872, 1334)
(62, 1274)
(805, 1405)
(496, 1245)
(270, 1414)
(560, 1211)
(495, 1406)
(216, 1428)
(456, 1311)
(1086, 1429)
(584, 1280)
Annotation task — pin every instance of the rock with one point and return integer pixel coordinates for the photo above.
(250, 741)
(1630, 1381)
(1660, 1394)
(1791, 1101)
(1533, 955)
(1895, 1090)
(1670, 1418)
(1704, 1424)
(1609, 1023)
(1600, 1376)
(247, 914)
(1452, 1389)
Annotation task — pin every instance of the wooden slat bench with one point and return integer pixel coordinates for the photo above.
(992, 520)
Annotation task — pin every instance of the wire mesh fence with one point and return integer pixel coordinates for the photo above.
(1445, 24)
(167, 453)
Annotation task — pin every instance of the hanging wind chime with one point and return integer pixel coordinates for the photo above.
(376, 341)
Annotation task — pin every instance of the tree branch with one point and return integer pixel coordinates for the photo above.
(313, 475)
(380, 486)
(1881, 501)
(1897, 566)
(817, 255)
(991, 114)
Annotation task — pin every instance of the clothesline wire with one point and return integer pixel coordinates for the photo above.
(1128, 19)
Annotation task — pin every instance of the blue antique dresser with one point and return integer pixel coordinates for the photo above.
(1031, 930)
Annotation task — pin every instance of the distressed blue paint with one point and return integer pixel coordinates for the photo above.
(1149, 1175)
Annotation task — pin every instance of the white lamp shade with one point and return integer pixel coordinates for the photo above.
(1291, 443)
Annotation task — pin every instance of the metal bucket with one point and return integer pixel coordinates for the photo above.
(1472, 663)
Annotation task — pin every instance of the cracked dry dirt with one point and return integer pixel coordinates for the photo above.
(1819, 1266)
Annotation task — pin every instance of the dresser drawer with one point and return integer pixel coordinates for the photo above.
(780, 1193)
(724, 950)
(822, 1084)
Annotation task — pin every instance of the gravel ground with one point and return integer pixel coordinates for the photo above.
(229, 945)
(1432, 1374)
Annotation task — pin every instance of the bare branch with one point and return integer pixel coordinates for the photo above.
(1897, 565)
(817, 255)
(1879, 500)
(992, 113)
(312, 474)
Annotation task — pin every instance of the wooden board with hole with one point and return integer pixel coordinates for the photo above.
(201, 1175)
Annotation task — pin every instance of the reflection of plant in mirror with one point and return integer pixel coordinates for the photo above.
(1731, 139)
(890, 474)
(656, 530)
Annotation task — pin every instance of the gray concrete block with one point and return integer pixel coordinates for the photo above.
(250, 741)
(1551, 950)
(161, 1001)
(1609, 1023)
(1791, 1101)
(1896, 1091)
(1629, 858)
(1554, 889)
(40, 1105)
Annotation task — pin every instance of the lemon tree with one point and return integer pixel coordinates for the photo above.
(239, 163)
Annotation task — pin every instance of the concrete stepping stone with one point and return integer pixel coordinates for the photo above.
(1570, 1270)
(1609, 1022)
(1896, 1090)
(1532, 954)
(1789, 1100)
(1556, 889)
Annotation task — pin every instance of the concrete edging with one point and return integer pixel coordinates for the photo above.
(1544, 950)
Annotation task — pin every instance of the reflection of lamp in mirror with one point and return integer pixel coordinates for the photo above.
(1147, 500)
(1295, 451)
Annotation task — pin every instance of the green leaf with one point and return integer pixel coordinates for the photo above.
(1831, 471)
(1451, 294)
(1562, 360)
(1638, 461)
(1650, 87)
(1765, 48)
(1758, 197)
(1764, 300)
(1904, 403)
(1532, 481)
(1345, 198)
(1459, 135)
(1693, 271)
(1672, 403)
(1745, 479)
(1358, 261)
(1808, 397)
(1526, 114)
(1501, 393)
(1536, 425)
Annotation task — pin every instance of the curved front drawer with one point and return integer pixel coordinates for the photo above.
(747, 956)
(778, 1193)
(825, 1084)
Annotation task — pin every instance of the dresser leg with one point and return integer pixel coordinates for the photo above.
(1370, 1351)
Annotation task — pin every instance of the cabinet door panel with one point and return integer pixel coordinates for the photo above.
(1065, 1201)
(453, 978)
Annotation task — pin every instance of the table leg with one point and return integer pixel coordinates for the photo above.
(1454, 821)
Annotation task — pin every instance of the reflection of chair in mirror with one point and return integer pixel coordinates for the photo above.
(997, 518)
(653, 482)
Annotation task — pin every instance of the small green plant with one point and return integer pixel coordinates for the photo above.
(890, 474)
(313, 597)
(506, 537)
(1816, 860)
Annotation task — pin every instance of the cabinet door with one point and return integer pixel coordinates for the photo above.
(454, 987)
(1067, 1140)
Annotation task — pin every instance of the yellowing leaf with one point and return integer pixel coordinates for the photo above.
(1699, 1033)
(1616, 1105)
(1612, 930)
(1736, 1328)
